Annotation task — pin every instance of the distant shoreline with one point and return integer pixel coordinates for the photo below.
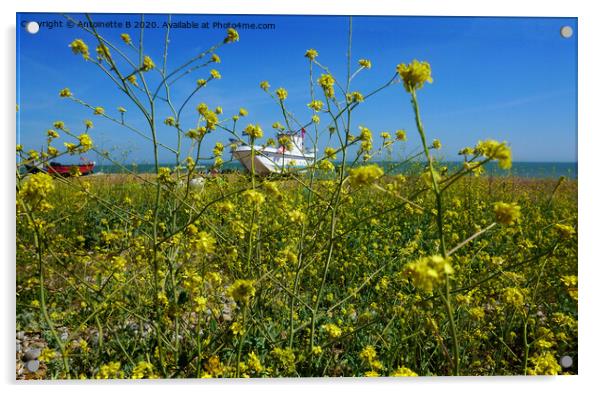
(524, 169)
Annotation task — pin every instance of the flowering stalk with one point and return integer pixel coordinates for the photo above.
(442, 249)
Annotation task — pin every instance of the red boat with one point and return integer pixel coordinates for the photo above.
(55, 168)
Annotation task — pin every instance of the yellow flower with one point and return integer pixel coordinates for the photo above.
(565, 231)
(311, 54)
(88, 124)
(243, 112)
(326, 165)
(327, 83)
(368, 354)
(254, 131)
(85, 142)
(371, 374)
(232, 36)
(332, 330)
(496, 151)
(52, 151)
(355, 96)
(242, 291)
(281, 93)
(59, 125)
(400, 135)
(133, 80)
(170, 121)
(513, 297)
(164, 175)
(47, 355)
(215, 74)
(437, 144)
(403, 372)
(110, 370)
(428, 272)
(316, 105)
(415, 74)
(365, 63)
(296, 216)
(200, 304)
(254, 362)
(78, 46)
(143, 370)
(365, 175)
(215, 58)
(125, 37)
(544, 364)
(52, 134)
(201, 82)
(99, 110)
(265, 85)
(506, 213)
(147, 64)
(65, 92)
(103, 52)
(36, 189)
(330, 153)
(385, 135)
(205, 243)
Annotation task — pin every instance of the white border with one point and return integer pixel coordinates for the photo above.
(590, 143)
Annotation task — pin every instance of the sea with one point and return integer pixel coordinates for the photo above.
(535, 170)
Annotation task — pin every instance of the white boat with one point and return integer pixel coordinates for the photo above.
(266, 160)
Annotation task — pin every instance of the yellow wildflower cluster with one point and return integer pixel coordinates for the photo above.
(365, 175)
(111, 370)
(232, 36)
(366, 138)
(332, 330)
(403, 372)
(125, 37)
(147, 64)
(428, 272)
(242, 291)
(264, 85)
(316, 105)
(103, 53)
(544, 364)
(35, 191)
(365, 63)
(65, 92)
(400, 135)
(513, 297)
(143, 370)
(415, 74)
(253, 197)
(506, 213)
(254, 131)
(326, 81)
(496, 151)
(281, 93)
(570, 282)
(78, 46)
(85, 142)
(311, 54)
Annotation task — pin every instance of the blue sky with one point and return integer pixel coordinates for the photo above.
(512, 79)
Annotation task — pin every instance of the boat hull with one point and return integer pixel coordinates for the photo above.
(268, 160)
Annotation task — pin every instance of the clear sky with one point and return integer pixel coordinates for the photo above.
(512, 79)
